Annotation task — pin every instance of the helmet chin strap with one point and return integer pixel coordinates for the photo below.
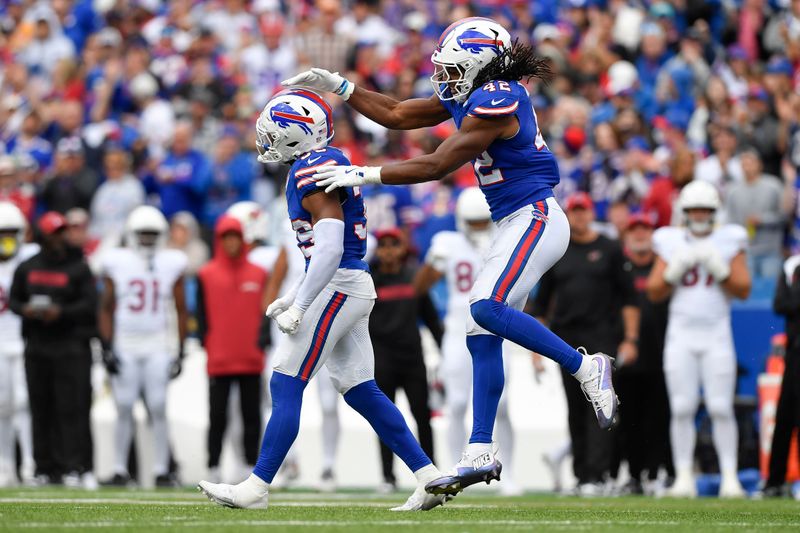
(700, 229)
(481, 239)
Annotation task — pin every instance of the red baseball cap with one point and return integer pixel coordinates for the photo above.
(52, 222)
(639, 219)
(579, 200)
(395, 233)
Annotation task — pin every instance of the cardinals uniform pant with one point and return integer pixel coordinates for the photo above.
(698, 357)
(60, 392)
(395, 371)
(139, 374)
(456, 374)
(787, 419)
(15, 419)
(334, 332)
(527, 244)
(219, 391)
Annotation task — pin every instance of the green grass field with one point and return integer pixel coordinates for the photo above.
(120, 510)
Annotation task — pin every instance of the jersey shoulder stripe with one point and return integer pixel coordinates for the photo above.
(494, 111)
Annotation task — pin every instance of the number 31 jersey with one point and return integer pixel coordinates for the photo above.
(699, 299)
(144, 298)
(452, 254)
(513, 172)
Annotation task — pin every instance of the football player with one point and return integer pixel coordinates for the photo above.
(702, 266)
(15, 419)
(456, 257)
(326, 312)
(142, 282)
(477, 84)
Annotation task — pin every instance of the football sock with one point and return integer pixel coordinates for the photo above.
(330, 427)
(283, 425)
(123, 433)
(725, 435)
(158, 418)
(487, 384)
(456, 431)
(523, 329)
(682, 434)
(384, 417)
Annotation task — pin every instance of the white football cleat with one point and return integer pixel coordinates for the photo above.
(422, 501)
(252, 493)
(478, 464)
(683, 487)
(731, 488)
(599, 389)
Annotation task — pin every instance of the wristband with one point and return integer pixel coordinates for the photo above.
(345, 89)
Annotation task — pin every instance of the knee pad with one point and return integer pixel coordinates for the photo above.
(682, 407)
(486, 314)
(719, 408)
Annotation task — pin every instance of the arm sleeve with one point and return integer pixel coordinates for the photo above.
(202, 320)
(429, 316)
(325, 259)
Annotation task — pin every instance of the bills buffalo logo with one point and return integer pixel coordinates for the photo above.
(284, 115)
(475, 42)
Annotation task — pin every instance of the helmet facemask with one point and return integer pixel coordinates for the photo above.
(453, 81)
(700, 226)
(268, 143)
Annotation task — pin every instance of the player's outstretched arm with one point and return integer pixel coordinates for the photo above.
(466, 144)
(328, 226)
(386, 111)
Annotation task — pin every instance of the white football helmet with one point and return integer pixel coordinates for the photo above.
(146, 230)
(294, 122)
(699, 194)
(12, 221)
(472, 207)
(464, 48)
(254, 221)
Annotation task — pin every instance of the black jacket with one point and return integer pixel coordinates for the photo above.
(69, 283)
(394, 321)
(787, 303)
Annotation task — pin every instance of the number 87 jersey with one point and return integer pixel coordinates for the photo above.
(301, 183)
(512, 172)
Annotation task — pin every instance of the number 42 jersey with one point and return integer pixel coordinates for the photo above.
(144, 298)
(512, 172)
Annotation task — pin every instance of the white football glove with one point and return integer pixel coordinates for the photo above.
(320, 79)
(289, 320)
(280, 305)
(719, 269)
(682, 261)
(346, 176)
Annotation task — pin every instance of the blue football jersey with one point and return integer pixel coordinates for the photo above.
(300, 184)
(514, 172)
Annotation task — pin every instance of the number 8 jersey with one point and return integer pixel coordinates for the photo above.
(513, 172)
(144, 295)
(301, 183)
(454, 256)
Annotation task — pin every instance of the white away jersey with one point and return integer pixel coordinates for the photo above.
(143, 291)
(10, 324)
(452, 254)
(264, 257)
(699, 299)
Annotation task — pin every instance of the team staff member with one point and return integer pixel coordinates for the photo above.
(54, 292)
(589, 300)
(787, 418)
(644, 417)
(394, 329)
(230, 318)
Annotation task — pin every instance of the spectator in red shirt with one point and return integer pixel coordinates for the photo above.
(230, 316)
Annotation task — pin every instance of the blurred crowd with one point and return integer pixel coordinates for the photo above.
(105, 105)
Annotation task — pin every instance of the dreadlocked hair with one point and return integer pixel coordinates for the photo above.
(514, 63)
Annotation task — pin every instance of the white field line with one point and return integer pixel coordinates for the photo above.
(569, 524)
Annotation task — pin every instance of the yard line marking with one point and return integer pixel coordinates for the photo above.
(352, 523)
